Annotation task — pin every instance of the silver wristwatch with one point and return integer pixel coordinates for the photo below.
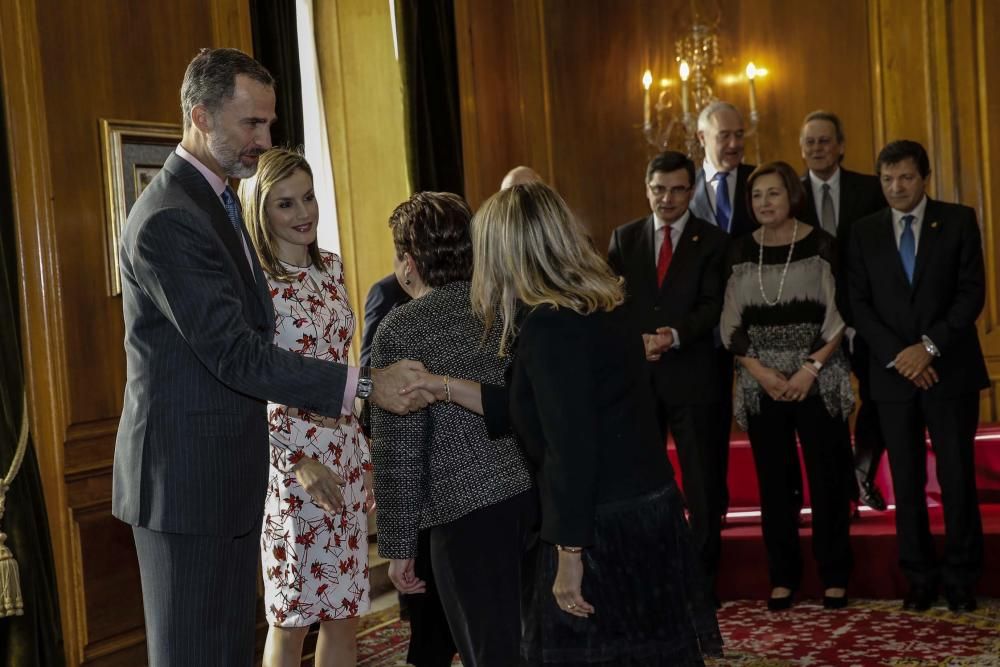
(365, 383)
(930, 347)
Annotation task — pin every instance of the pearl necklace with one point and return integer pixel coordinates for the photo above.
(784, 272)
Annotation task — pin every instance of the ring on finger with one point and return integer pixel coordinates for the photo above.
(571, 605)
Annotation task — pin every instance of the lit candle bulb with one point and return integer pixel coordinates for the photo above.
(685, 74)
(647, 81)
(751, 75)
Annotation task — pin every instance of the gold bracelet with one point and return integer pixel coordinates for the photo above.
(569, 550)
(447, 389)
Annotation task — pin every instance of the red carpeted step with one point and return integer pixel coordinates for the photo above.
(743, 475)
(743, 570)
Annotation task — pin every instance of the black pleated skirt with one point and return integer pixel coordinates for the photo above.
(651, 602)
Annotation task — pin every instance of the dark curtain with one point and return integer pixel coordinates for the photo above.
(34, 639)
(430, 83)
(276, 46)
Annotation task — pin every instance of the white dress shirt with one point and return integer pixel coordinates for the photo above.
(918, 219)
(817, 188)
(676, 230)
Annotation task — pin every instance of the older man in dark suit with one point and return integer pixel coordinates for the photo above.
(672, 262)
(835, 199)
(917, 285)
(719, 197)
(719, 194)
(190, 470)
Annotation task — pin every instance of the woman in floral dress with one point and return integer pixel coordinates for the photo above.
(314, 543)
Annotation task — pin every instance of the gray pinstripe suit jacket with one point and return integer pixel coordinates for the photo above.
(192, 448)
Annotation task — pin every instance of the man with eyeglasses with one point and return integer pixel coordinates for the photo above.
(672, 262)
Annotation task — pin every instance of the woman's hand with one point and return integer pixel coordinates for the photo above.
(799, 385)
(428, 382)
(403, 576)
(567, 586)
(321, 483)
(368, 482)
(773, 382)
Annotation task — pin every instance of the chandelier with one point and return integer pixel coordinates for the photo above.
(672, 122)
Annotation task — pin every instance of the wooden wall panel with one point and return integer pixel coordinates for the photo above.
(66, 65)
(587, 116)
(891, 69)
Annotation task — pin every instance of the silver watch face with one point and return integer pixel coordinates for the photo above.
(365, 387)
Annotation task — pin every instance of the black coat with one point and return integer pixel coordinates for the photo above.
(860, 196)
(689, 301)
(947, 295)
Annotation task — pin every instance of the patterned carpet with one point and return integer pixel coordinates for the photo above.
(867, 634)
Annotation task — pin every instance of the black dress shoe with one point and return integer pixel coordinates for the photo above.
(872, 497)
(834, 603)
(919, 599)
(780, 604)
(960, 600)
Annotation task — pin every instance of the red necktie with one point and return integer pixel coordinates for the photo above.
(666, 254)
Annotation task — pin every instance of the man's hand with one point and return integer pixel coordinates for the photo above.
(321, 483)
(404, 578)
(927, 379)
(912, 361)
(388, 383)
(657, 343)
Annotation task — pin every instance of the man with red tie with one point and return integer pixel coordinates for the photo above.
(673, 263)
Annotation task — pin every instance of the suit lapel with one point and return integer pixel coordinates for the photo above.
(701, 203)
(647, 252)
(889, 249)
(809, 215)
(850, 192)
(930, 229)
(206, 199)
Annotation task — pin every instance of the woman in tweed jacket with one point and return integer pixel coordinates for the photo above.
(438, 469)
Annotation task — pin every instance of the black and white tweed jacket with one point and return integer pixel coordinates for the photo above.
(436, 465)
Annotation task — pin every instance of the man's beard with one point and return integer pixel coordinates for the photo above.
(229, 158)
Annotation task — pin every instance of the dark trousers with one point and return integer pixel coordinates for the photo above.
(868, 441)
(952, 426)
(825, 447)
(695, 428)
(198, 597)
(431, 643)
(483, 563)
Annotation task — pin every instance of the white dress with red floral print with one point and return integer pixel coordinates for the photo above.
(315, 563)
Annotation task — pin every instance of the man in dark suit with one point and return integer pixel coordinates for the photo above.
(720, 131)
(917, 285)
(835, 199)
(672, 262)
(190, 469)
(384, 295)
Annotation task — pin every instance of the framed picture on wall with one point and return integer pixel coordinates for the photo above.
(132, 153)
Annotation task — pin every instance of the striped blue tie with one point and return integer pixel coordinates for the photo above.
(229, 201)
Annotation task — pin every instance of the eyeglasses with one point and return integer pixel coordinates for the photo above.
(676, 191)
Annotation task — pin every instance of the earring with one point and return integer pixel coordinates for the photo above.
(406, 282)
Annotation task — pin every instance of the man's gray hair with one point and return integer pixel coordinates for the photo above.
(210, 79)
(705, 117)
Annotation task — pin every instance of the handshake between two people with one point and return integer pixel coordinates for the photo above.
(396, 389)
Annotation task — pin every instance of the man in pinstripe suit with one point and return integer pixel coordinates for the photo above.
(192, 450)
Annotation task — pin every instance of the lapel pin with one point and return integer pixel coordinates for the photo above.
(934, 225)
(695, 238)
